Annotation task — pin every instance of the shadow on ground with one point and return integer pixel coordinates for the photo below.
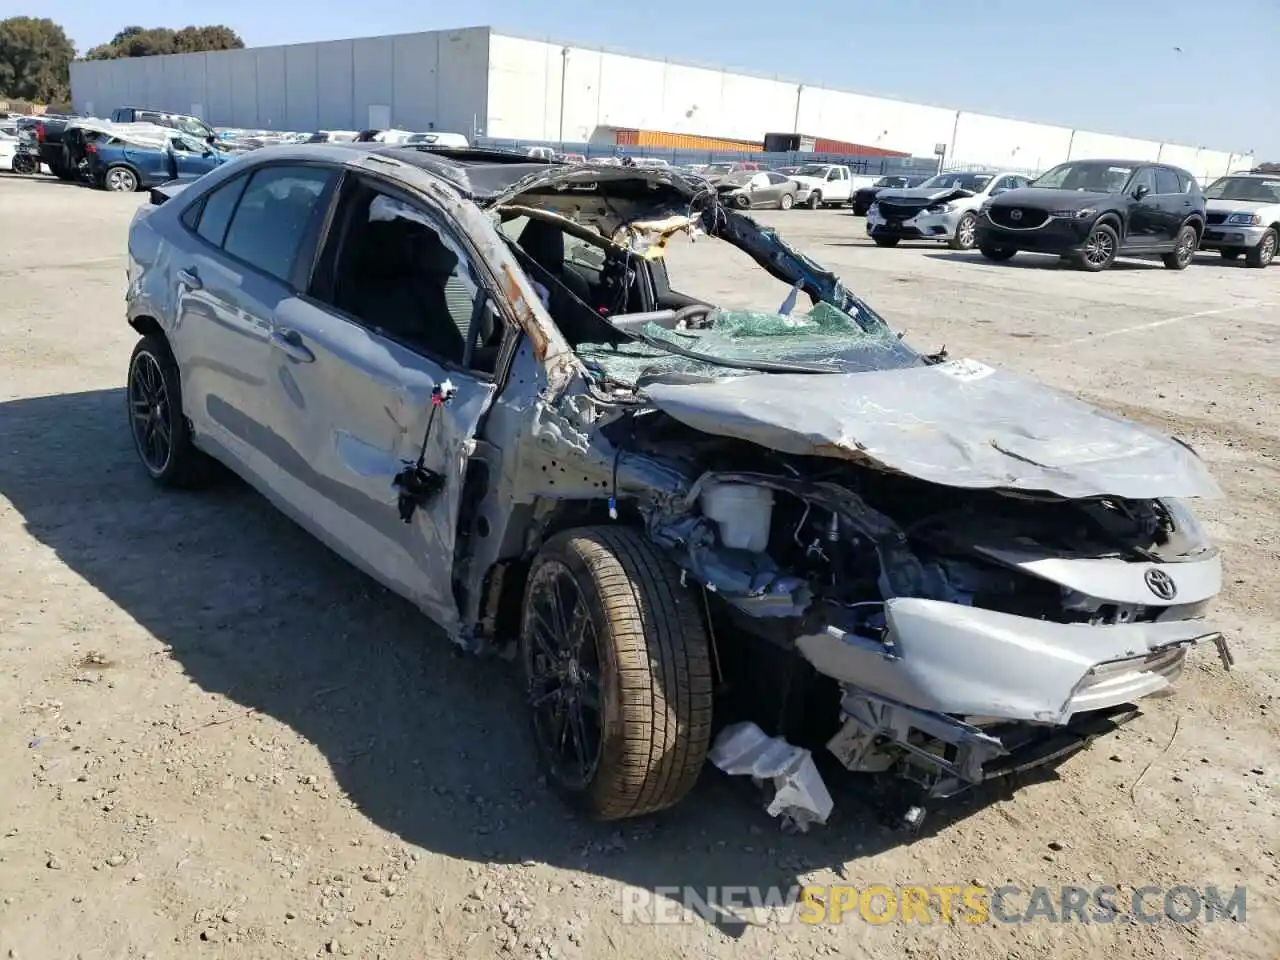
(41, 178)
(428, 742)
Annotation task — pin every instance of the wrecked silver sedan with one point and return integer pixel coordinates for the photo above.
(782, 531)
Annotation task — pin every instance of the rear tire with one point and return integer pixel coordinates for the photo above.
(120, 179)
(1264, 251)
(646, 737)
(997, 254)
(787, 202)
(886, 241)
(1184, 249)
(160, 431)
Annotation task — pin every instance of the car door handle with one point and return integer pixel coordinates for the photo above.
(289, 342)
(191, 278)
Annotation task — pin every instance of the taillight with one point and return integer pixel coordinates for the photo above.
(39, 133)
(90, 148)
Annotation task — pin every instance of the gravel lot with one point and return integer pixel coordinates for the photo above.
(219, 740)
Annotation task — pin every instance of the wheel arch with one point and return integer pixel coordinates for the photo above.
(149, 326)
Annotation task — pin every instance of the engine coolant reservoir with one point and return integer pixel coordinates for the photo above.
(742, 511)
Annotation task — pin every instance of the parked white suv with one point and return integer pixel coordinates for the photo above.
(1243, 217)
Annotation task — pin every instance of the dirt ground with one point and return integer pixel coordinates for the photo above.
(218, 740)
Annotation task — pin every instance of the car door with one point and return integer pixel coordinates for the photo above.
(372, 377)
(766, 189)
(1175, 203)
(1146, 223)
(191, 158)
(232, 274)
(152, 163)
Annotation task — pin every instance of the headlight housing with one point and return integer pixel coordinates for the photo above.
(874, 208)
(1075, 214)
(940, 208)
(1244, 219)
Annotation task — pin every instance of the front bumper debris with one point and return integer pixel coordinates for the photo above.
(922, 226)
(800, 797)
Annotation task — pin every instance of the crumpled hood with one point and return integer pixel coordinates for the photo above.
(932, 194)
(958, 424)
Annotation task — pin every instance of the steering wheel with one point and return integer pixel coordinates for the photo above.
(684, 318)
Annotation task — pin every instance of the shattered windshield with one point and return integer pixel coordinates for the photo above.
(823, 339)
(1244, 188)
(1093, 176)
(973, 182)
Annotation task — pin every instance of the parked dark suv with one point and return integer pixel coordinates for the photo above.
(1091, 211)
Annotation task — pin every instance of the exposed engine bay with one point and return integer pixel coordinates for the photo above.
(927, 567)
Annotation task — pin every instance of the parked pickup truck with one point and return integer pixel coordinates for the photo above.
(192, 126)
(823, 185)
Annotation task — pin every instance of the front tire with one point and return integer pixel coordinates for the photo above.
(886, 241)
(161, 434)
(814, 201)
(1184, 249)
(24, 164)
(1264, 251)
(1099, 249)
(966, 236)
(742, 202)
(618, 670)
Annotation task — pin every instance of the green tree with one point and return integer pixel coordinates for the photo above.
(150, 42)
(35, 60)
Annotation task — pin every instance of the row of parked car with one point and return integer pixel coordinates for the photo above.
(1088, 212)
(136, 148)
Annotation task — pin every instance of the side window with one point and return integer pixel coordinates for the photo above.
(776, 178)
(1167, 181)
(209, 217)
(400, 272)
(272, 216)
(1185, 181)
(1145, 177)
(180, 145)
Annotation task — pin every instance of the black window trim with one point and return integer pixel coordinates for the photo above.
(324, 202)
(406, 194)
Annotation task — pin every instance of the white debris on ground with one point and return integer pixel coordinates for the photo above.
(800, 797)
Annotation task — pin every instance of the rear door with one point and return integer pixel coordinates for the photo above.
(152, 163)
(1147, 224)
(235, 271)
(352, 388)
(1175, 203)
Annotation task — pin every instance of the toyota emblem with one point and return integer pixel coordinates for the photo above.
(1161, 584)
(1015, 214)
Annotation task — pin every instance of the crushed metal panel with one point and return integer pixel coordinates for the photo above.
(800, 796)
(957, 424)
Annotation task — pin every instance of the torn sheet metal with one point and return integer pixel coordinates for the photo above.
(140, 134)
(957, 424)
(648, 238)
(800, 796)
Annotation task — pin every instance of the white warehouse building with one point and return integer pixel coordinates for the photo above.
(480, 82)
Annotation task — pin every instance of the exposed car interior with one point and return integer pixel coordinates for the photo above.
(400, 275)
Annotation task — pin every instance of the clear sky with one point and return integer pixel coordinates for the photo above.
(1183, 71)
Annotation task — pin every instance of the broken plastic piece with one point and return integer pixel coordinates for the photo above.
(800, 797)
